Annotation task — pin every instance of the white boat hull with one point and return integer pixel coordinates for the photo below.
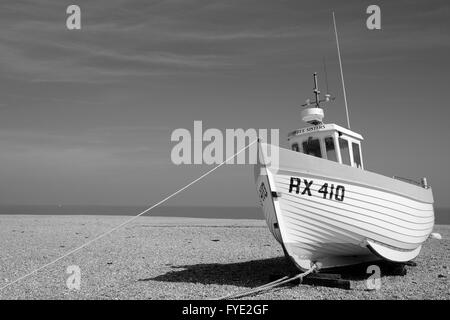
(370, 217)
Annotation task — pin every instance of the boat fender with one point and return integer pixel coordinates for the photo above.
(436, 235)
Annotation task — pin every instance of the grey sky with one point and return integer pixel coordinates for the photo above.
(86, 116)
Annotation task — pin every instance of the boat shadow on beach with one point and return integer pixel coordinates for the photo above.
(258, 272)
(245, 274)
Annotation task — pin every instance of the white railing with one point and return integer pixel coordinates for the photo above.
(415, 182)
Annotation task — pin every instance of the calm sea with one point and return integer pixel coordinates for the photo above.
(163, 211)
(442, 215)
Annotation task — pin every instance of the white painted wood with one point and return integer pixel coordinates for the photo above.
(392, 254)
(397, 217)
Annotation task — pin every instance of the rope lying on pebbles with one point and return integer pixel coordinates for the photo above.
(269, 285)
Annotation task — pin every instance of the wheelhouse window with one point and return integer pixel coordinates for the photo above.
(329, 146)
(345, 152)
(356, 155)
(312, 147)
(295, 147)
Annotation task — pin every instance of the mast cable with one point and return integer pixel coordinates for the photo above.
(342, 73)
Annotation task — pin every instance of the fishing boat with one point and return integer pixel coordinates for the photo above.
(326, 210)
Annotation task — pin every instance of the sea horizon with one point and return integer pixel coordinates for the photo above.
(442, 215)
(208, 212)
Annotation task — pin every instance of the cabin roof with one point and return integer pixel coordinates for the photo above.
(322, 128)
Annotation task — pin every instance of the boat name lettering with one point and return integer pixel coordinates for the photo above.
(328, 190)
(310, 129)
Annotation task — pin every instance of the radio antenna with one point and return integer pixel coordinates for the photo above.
(342, 73)
(326, 75)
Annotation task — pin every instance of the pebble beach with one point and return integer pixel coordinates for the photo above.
(181, 258)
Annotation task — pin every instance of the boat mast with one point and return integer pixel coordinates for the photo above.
(316, 90)
(314, 115)
(342, 73)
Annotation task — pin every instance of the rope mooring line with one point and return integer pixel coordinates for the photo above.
(102, 235)
(269, 285)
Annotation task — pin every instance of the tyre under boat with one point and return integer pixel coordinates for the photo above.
(373, 217)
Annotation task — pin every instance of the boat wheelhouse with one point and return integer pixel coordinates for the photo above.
(329, 141)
